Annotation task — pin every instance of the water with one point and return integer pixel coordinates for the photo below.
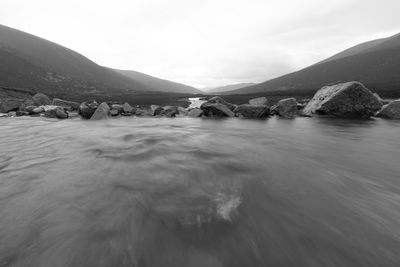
(199, 192)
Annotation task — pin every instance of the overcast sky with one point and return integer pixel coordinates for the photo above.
(205, 43)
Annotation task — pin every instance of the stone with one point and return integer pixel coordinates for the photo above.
(66, 104)
(114, 112)
(157, 110)
(195, 113)
(216, 109)
(41, 99)
(183, 111)
(351, 99)
(87, 108)
(260, 101)
(55, 112)
(61, 114)
(101, 112)
(12, 114)
(286, 108)
(38, 110)
(170, 111)
(30, 109)
(252, 111)
(127, 108)
(117, 107)
(220, 100)
(390, 111)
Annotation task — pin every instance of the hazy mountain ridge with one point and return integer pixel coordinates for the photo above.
(27, 61)
(158, 84)
(375, 63)
(229, 87)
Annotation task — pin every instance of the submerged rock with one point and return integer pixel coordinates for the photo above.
(390, 111)
(66, 104)
(350, 99)
(252, 111)
(286, 108)
(41, 99)
(87, 108)
(195, 113)
(101, 112)
(260, 101)
(216, 109)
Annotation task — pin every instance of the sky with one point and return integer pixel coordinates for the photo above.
(205, 43)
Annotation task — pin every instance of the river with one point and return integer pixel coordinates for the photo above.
(199, 192)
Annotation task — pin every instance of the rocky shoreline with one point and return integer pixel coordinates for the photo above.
(345, 100)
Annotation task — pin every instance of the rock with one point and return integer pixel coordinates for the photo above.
(22, 113)
(2, 115)
(30, 109)
(216, 109)
(350, 99)
(195, 113)
(182, 111)
(14, 99)
(55, 112)
(260, 101)
(390, 111)
(38, 110)
(127, 108)
(41, 99)
(286, 108)
(170, 111)
(220, 100)
(117, 107)
(12, 114)
(66, 104)
(157, 110)
(114, 112)
(101, 112)
(143, 112)
(252, 111)
(87, 108)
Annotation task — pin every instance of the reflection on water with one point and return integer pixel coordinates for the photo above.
(199, 192)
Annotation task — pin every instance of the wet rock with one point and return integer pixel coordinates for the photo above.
(41, 99)
(114, 112)
(126, 108)
(182, 111)
(390, 111)
(286, 108)
(117, 107)
(252, 111)
(30, 109)
(350, 99)
(260, 101)
(216, 109)
(101, 112)
(22, 113)
(70, 105)
(157, 110)
(195, 113)
(38, 110)
(61, 113)
(87, 108)
(170, 111)
(12, 114)
(55, 112)
(220, 100)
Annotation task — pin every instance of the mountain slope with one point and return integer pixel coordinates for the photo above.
(229, 87)
(376, 64)
(157, 84)
(27, 61)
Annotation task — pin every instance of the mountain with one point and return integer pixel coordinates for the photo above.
(30, 62)
(375, 63)
(229, 87)
(157, 84)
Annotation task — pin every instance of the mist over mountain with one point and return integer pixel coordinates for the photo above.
(375, 63)
(30, 62)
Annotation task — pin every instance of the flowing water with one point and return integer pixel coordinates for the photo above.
(199, 192)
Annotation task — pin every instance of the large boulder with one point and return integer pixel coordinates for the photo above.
(390, 111)
(157, 110)
(216, 109)
(260, 101)
(41, 99)
(220, 100)
(252, 111)
(195, 113)
(101, 112)
(66, 104)
(87, 108)
(351, 99)
(126, 108)
(170, 111)
(14, 99)
(286, 108)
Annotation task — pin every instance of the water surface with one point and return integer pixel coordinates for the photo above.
(199, 192)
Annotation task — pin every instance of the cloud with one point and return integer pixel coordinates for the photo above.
(209, 42)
